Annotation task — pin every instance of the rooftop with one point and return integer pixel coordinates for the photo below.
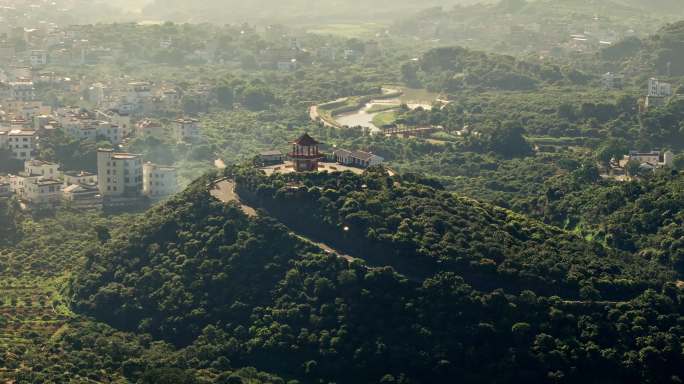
(306, 141)
(38, 163)
(19, 132)
(79, 174)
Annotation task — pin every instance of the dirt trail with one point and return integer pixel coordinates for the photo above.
(224, 191)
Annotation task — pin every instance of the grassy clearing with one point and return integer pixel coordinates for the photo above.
(415, 95)
(384, 118)
(382, 108)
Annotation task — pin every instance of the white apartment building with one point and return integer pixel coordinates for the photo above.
(159, 181)
(187, 130)
(119, 174)
(657, 88)
(22, 144)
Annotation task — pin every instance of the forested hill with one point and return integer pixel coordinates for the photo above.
(231, 291)
(420, 229)
(662, 53)
(450, 69)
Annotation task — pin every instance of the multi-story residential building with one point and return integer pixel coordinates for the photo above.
(119, 174)
(41, 168)
(159, 181)
(22, 90)
(42, 191)
(138, 92)
(657, 88)
(79, 178)
(22, 144)
(109, 131)
(120, 118)
(38, 58)
(186, 129)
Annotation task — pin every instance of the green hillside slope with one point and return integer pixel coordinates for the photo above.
(233, 291)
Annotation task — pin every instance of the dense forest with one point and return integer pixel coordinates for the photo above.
(451, 69)
(232, 291)
(662, 53)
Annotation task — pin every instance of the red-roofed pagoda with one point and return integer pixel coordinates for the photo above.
(305, 154)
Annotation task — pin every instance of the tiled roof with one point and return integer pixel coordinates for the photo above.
(306, 141)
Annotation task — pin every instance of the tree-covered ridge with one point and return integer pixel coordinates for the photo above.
(661, 54)
(420, 229)
(644, 216)
(234, 291)
(450, 69)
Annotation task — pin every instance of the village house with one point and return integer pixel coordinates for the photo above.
(79, 178)
(82, 196)
(649, 160)
(357, 158)
(42, 191)
(186, 130)
(159, 181)
(37, 184)
(84, 125)
(271, 157)
(119, 118)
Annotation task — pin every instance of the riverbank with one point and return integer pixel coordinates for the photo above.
(365, 111)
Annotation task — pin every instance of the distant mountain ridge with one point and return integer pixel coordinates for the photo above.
(288, 10)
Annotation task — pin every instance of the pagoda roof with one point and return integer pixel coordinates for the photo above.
(306, 141)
